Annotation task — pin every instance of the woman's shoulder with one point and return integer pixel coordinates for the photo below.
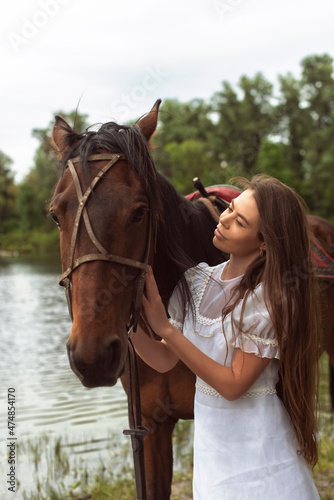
(254, 302)
(256, 329)
(202, 270)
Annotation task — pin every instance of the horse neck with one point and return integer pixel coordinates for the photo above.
(184, 240)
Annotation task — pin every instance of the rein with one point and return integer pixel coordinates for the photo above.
(137, 431)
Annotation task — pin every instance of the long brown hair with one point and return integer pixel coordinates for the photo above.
(290, 287)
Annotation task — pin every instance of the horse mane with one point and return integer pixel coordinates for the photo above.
(115, 139)
(184, 237)
(184, 228)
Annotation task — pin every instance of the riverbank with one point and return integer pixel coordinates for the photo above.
(111, 481)
(9, 253)
(59, 474)
(33, 242)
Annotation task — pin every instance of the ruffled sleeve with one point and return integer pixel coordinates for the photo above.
(175, 311)
(256, 333)
(194, 277)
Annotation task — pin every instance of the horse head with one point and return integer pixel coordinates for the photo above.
(105, 206)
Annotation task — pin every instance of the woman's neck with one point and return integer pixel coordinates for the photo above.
(235, 267)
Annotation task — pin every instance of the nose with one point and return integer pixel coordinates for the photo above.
(224, 221)
(101, 371)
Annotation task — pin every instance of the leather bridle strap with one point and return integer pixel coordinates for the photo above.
(104, 255)
(82, 211)
(137, 430)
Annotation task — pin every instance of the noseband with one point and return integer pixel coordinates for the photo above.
(104, 255)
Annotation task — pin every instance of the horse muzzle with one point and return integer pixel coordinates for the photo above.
(104, 369)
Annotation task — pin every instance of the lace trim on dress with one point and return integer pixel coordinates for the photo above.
(177, 324)
(261, 391)
(265, 341)
(255, 393)
(203, 320)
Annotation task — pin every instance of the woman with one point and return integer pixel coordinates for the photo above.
(251, 322)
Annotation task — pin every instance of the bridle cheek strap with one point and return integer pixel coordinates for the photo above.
(104, 255)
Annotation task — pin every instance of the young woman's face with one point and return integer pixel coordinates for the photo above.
(238, 230)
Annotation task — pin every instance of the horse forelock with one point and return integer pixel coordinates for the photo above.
(115, 139)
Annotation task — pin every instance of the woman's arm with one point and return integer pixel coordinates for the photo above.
(155, 353)
(231, 382)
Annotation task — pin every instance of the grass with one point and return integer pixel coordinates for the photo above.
(324, 471)
(67, 479)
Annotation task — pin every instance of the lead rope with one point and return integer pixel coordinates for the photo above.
(137, 430)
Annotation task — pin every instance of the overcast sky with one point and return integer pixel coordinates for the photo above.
(120, 56)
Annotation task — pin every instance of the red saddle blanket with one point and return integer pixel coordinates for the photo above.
(223, 191)
(324, 262)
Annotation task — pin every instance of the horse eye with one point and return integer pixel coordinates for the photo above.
(139, 214)
(55, 218)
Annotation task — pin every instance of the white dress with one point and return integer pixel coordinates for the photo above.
(244, 449)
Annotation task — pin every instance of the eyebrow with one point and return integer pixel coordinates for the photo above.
(240, 215)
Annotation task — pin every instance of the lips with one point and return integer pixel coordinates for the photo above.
(219, 235)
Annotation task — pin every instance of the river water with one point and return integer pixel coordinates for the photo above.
(50, 402)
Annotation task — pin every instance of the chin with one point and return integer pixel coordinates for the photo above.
(218, 244)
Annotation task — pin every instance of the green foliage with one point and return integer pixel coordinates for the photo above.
(307, 123)
(186, 157)
(244, 120)
(24, 225)
(7, 193)
(182, 122)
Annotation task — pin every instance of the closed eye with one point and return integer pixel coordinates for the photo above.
(230, 209)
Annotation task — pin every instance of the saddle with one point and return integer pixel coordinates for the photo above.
(218, 197)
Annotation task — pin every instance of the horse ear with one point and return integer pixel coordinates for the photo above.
(60, 130)
(149, 122)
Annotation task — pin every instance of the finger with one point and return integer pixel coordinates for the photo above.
(144, 302)
(150, 284)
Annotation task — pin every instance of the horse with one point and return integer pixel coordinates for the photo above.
(116, 213)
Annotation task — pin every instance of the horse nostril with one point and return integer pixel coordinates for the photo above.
(101, 368)
(69, 350)
(112, 356)
(75, 363)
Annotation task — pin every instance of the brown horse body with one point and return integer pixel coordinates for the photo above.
(102, 292)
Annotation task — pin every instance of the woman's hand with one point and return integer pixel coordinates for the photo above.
(154, 309)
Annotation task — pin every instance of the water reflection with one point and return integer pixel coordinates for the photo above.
(34, 326)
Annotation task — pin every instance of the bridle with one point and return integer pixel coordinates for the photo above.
(104, 255)
(137, 430)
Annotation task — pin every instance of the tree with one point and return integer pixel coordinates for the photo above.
(307, 125)
(318, 92)
(271, 160)
(38, 185)
(45, 166)
(244, 119)
(189, 159)
(180, 123)
(7, 193)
